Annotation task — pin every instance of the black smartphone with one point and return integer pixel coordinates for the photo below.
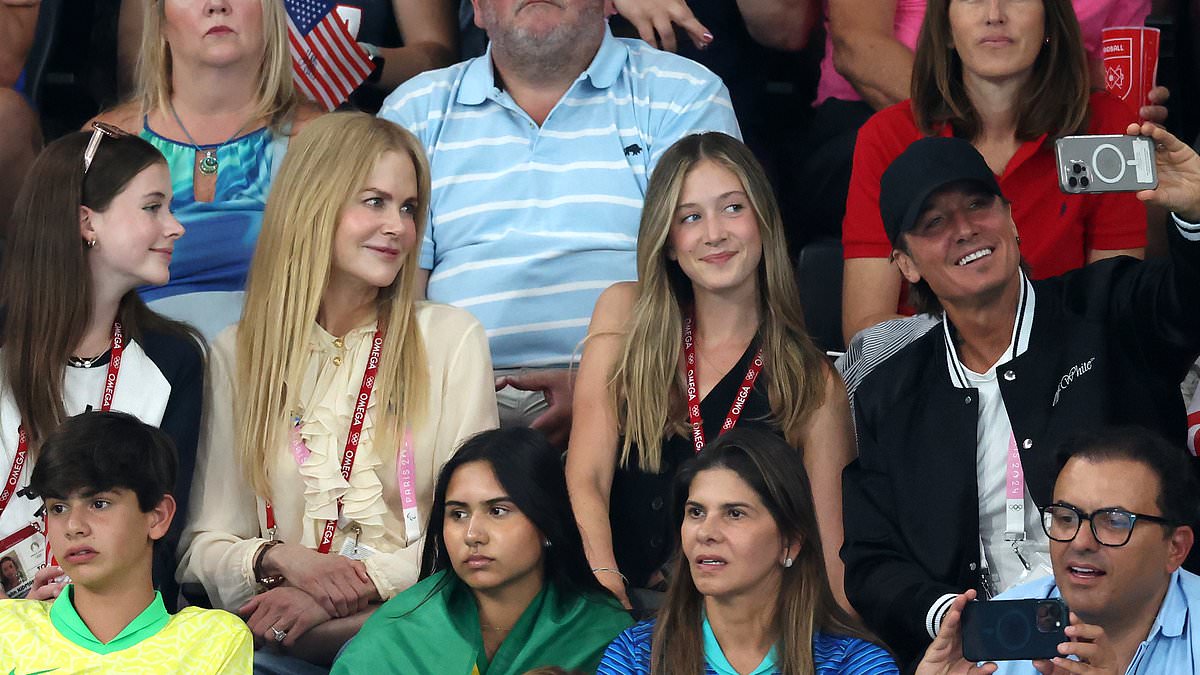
(1013, 630)
(1105, 164)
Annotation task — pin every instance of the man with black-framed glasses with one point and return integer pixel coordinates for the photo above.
(1118, 537)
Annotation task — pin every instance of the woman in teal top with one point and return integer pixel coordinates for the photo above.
(505, 585)
(215, 97)
(748, 592)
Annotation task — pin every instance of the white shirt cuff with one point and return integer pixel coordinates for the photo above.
(937, 611)
(1189, 231)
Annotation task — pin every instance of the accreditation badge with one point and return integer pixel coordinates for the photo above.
(19, 562)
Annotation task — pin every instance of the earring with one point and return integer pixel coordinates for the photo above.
(1018, 240)
(787, 562)
(89, 243)
(1047, 40)
(546, 543)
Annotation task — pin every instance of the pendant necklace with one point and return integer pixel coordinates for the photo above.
(208, 163)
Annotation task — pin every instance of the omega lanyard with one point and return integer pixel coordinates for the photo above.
(14, 474)
(693, 394)
(405, 470)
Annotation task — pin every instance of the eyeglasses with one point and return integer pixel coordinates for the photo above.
(99, 131)
(1110, 527)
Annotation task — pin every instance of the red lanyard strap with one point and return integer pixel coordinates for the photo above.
(693, 393)
(110, 387)
(18, 537)
(352, 439)
(114, 366)
(14, 474)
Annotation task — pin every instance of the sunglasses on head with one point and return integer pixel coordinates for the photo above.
(99, 131)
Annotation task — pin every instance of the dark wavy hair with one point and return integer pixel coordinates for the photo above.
(104, 450)
(531, 473)
(805, 605)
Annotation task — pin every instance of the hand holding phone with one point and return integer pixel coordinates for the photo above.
(1178, 168)
(1090, 646)
(1013, 630)
(945, 655)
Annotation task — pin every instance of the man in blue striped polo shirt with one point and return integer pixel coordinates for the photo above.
(540, 151)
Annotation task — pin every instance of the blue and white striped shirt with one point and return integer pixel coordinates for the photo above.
(529, 224)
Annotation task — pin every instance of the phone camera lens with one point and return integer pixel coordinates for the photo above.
(1077, 167)
(1083, 182)
(1049, 617)
(1072, 181)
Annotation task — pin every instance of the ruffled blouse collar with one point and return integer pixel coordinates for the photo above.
(332, 380)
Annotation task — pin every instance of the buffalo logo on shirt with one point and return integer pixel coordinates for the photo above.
(1068, 378)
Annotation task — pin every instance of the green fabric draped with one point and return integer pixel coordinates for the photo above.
(433, 627)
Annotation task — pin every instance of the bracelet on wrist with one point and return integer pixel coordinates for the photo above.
(265, 580)
(610, 570)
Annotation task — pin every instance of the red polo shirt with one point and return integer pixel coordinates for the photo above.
(1057, 230)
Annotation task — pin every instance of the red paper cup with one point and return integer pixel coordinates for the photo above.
(1130, 63)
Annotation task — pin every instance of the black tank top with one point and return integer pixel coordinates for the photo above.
(640, 502)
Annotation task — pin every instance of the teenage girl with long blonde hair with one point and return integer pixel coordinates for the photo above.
(711, 336)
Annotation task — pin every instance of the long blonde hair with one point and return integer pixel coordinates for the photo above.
(276, 97)
(645, 383)
(325, 165)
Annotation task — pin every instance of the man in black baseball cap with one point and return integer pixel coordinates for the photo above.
(956, 431)
(927, 166)
(920, 194)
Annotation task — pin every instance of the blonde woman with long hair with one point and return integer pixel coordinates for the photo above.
(336, 398)
(214, 95)
(711, 336)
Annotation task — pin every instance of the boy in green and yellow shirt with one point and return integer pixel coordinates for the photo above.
(104, 478)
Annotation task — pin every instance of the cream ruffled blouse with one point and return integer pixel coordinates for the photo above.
(227, 520)
(328, 393)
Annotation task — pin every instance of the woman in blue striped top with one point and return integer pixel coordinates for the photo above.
(748, 593)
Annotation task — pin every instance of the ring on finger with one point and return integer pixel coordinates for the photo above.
(279, 635)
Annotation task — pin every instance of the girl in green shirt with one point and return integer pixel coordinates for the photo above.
(505, 585)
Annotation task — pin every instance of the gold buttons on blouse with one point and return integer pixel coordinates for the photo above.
(339, 344)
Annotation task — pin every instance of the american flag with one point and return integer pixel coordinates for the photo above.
(327, 64)
(1193, 422)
